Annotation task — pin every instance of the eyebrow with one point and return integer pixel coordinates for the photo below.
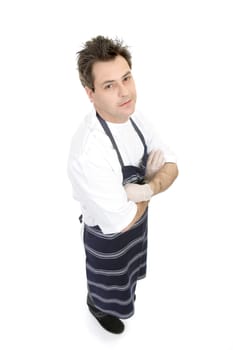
(112, 81)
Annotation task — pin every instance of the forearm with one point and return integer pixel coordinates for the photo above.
(164, 178)
(141, 208)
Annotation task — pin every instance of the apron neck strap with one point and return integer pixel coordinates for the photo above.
(108, 132)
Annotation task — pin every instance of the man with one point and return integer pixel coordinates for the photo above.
(116, 165)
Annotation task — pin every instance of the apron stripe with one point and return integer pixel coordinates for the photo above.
(118, 287)
(117, 254)
(115, 272)
(116, 301)
(112, 278)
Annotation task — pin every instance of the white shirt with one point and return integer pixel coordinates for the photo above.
(95, 171)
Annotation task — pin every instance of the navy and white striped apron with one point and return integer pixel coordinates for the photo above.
(114, 262)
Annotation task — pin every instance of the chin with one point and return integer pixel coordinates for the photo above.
(131, 111)
(125, 114)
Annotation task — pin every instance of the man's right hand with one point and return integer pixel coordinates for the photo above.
(138, 193)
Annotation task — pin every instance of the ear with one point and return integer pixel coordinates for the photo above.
(89, 93)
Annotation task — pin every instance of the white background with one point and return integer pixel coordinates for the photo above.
(182, 64)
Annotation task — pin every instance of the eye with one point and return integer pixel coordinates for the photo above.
(127, 78)
(108, 86)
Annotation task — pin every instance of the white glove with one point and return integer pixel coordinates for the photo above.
(138, 193)
(155, 161)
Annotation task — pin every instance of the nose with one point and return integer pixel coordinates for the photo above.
(122, 90)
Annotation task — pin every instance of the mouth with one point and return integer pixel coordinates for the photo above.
(126, 103)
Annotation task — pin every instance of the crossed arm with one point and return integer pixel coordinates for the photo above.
(163, 178)
(156, 183)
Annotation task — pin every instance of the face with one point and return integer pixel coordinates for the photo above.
(114, 97)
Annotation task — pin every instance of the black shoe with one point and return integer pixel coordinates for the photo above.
(108, 322)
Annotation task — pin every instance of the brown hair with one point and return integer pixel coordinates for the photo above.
(99, 49)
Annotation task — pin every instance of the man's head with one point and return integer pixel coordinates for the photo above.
(105, 71)
(99, 49)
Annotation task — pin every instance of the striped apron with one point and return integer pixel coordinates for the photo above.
(114, 262)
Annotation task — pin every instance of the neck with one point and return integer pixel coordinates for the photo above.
(113, 120)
